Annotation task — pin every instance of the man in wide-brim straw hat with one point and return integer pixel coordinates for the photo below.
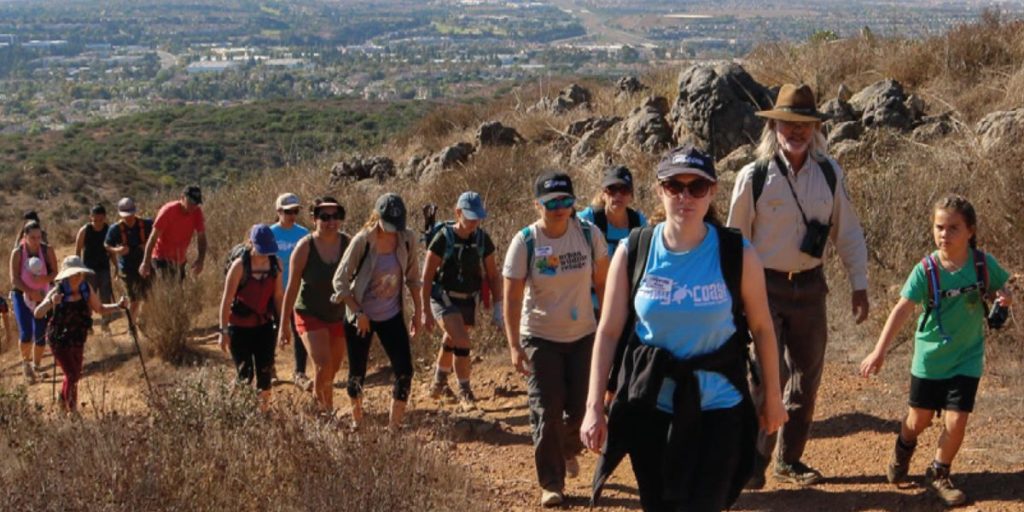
(789, 203)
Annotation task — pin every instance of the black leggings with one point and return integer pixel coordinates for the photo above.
(395, 340)
(252, 349)
(717, 459)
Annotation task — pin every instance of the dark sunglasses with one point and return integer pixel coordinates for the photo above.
(697, 188)
(327, 217)
(559, 203)
(618, 189)
(290, 212)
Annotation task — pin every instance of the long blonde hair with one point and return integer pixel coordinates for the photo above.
(769, 145)
(372, 221)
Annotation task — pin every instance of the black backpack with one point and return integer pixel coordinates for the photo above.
(242, 251)
(601, 219)
(760, 175)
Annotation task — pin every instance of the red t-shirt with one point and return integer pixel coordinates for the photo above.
(176, 230)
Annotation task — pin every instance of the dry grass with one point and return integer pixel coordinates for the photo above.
(207, 448)
(169, 314)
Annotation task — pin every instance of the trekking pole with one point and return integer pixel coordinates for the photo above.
(133, 334)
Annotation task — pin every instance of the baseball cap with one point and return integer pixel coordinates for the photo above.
(194, 194)
(263, 239)
(287, 201)
(552, 184)
(126, 207)
(687, 160)
(98, 209)
(617, 175)
(391, 209)
(472, 206)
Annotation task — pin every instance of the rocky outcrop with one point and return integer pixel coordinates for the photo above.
(588, 132)
(571, 98)
(1002, 129)
(629, 85)
(716, 107)
(448, 158)
(496, 134)
(359, 168)
(849, 130)
(646, 127)
(882, 104)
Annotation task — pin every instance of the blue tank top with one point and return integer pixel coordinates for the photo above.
(684, 306)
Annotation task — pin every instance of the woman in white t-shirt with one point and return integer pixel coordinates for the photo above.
(549, 271)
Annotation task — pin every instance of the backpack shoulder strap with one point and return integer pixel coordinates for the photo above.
(449, 240)
(830, 174)
(981, 271)
(730, 253)
(634, 218)
(600, 219)
(589, 236)
(758, 179)
(528, 238)
(480, 243)
(931, 274)
(246, 269)
(638, 247)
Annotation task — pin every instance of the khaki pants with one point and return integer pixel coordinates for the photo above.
(801, 327)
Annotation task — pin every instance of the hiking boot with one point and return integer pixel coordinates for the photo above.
(28, 371)
(572, 467)
(757, 479)
(551, 498)
(441, 390)
(467, 400)
(899, 464)
(938, 480)
(796, 473)
(303, 382)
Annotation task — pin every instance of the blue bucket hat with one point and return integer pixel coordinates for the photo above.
(263, 239)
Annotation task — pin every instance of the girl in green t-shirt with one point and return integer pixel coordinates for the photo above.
(948, 344)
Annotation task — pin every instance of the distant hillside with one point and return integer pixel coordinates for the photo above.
(182, 144)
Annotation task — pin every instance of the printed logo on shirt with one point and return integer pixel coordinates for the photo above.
(551, 265)
(666, 292)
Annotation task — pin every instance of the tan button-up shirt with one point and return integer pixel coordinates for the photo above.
(775, 228)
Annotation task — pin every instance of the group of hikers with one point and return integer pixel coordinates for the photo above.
(693, 346)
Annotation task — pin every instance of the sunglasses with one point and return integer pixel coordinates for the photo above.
(327, 217)
(559, 203)
(697, 188)
(290, 212)
(618, 189)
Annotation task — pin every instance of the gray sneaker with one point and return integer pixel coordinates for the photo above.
(441, 391)
(796, 473)
(551, 498)
(938, 480)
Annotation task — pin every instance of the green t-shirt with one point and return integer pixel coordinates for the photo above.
(963, 319)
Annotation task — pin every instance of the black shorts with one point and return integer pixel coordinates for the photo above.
(953, 394)
(444, 306)
(136, 285)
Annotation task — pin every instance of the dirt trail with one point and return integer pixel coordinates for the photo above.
(851, 439)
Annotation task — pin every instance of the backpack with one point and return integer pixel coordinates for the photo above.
(760, 175)
(242, 251)
(730, 254)
(936, 293)
(531, 241)
(601, 219)
(83, 289)
(448, 230)
(124, 232)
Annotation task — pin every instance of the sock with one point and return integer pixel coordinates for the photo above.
(464, 385)
(938, 465)
(441, 375)
(905, 445)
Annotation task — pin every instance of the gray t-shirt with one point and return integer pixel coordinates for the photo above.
(381, 302)
(557, 305)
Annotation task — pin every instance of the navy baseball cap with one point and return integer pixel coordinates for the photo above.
(617, 175)
(391, 209)
(194, 194)
(687, 160)
(263, 239)
(553, 184)
(472, 206)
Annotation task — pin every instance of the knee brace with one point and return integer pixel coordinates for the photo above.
(355, 387)
(403, 383)
(461, 352)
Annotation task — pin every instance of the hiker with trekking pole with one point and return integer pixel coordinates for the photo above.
(319, 322)
(33, 266)
(253, 291)
(69, 307)
(550, 268)
(953, 284)
(459, 261)
(380, 261)
(684, 298)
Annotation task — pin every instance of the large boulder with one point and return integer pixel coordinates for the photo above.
(646, 127)
(716, 107)
(883, 104)
(601, 124)
(572, 97)
(497, 134)
(628, 85)
(1001, 129)
(589, 132)
(448, 158)
(933, 128)
(733, 162)
(838, 111)
(360, 168)
(849, 130)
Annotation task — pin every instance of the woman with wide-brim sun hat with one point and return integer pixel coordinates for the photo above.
(69, 306)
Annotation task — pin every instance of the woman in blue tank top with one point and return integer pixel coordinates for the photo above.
(685, 322)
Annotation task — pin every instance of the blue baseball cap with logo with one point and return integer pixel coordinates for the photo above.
(263, 239)
(687, 160)
(472, 206)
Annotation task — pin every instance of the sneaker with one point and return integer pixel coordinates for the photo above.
(303, 382)
(441, 390)
(796, 473)
(28, 371)
(757, 480)
(572, 467)
(899, 464)
(551, 498)
(938, 480)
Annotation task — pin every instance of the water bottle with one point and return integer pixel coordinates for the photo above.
(997, 316)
